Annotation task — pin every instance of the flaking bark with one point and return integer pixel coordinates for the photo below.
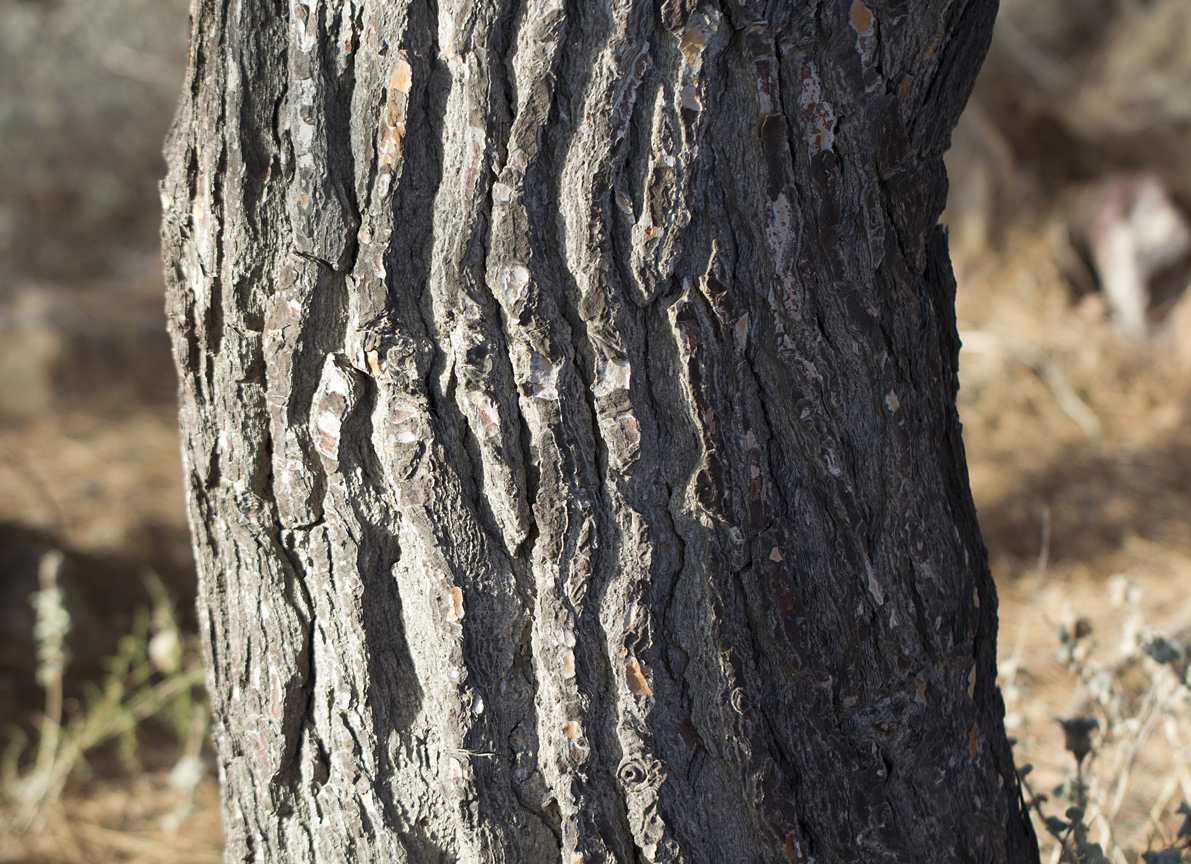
(568, 415)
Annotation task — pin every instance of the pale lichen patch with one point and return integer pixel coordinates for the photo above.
(780, 232)
(201, 217)
(484, 416)
(333, 399)
(742, 331)
(446, 34)
(471, 310)
(334, 380)
(612, 374)
(477, 143)
(305, 28)
(543, 378)
(405, 435)
(630, 616)
(817, 113)
(514, 283)
(518, 160)
(328, 426)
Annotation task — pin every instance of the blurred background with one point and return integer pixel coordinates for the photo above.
(1070, 185)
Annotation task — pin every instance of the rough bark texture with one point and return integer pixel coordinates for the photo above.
(568, 410)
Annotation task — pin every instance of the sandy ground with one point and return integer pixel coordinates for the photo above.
(1080, 461)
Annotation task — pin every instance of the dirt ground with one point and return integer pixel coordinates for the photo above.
(1078, 437)
(1079, 453)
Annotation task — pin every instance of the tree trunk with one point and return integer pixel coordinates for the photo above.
(569, 422)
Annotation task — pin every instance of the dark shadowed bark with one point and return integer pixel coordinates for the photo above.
(568, 401)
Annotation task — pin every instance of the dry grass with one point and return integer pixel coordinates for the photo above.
(124, 819)
(1078, 439)
(1078, 447)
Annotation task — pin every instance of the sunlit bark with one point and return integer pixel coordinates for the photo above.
(568, 411)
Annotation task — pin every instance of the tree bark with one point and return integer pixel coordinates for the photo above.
(568, 409)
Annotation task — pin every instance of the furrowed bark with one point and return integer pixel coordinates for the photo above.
(568, 413)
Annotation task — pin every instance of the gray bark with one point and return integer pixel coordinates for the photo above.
(568, 415)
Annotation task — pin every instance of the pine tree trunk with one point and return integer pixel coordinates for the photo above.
(568, 407)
